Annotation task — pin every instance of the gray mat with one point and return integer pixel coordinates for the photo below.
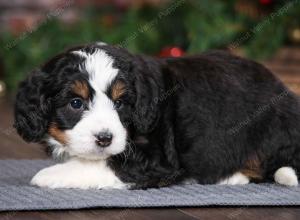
(17, 194)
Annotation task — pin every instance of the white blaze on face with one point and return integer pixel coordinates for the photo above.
(101, 115)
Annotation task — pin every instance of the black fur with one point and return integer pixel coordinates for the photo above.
(42, 97)
(201, 117)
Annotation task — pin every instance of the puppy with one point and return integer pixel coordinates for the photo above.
(120, 120)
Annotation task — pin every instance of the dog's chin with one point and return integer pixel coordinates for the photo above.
(96, 153)
(92, 157)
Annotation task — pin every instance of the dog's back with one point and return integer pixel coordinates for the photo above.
(234, 115)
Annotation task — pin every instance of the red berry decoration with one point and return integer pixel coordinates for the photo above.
(171, 52)
(265, 2)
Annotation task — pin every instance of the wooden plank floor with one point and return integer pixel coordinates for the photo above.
(286, 65)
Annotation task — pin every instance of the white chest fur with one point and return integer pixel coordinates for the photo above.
(77, 173)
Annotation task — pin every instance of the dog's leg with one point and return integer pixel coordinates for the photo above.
(286, 176)
(77, 173)
(236, 179)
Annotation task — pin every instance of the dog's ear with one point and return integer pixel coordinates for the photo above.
(146, 113)
(32, 108)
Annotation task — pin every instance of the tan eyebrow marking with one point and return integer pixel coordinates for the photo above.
(81, 88)
(57, 134)
(118, 89)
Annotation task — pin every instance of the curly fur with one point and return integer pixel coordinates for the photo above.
(202, 117)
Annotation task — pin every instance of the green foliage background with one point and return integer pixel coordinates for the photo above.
(194, 25)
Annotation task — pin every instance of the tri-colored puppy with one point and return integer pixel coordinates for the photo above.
(129, 121)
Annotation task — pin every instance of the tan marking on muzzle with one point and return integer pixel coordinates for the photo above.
(58, 134)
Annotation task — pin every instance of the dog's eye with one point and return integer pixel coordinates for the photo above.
(118, 104)
(76, 103)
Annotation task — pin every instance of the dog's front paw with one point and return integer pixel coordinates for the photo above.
(78, 174)
(55, 177)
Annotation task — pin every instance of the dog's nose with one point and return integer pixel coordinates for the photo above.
(103, 139)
